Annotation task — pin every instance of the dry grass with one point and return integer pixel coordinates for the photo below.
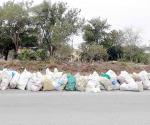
(84, 68)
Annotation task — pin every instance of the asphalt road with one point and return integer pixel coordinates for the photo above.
(74, 108)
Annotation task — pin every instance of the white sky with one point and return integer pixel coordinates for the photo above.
(119, 13)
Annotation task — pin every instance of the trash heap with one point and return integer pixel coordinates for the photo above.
(59, 81)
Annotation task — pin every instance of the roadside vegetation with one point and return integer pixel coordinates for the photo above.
(42, 33)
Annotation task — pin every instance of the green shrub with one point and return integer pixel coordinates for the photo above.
(42, 54)
(24, 54)
(94, 52)
(136, 55)
(27, 54)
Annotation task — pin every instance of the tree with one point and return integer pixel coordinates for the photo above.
(13, 19)
(130, 37)
(56, 23)
(95, 31)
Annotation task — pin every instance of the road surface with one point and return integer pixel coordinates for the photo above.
(74, 108)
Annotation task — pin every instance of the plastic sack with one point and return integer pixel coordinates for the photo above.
(23, 80)
(61, 82)
(81, 82)
(35, 82)
(111, 74)
(54, 80)
(48, 83)
(130, 87)
(71, 84)
(130, 84)
(113, 79)
(14, 80)
(93, 84)
(106, 83)
(55, 75)
(144, 77)
(6, 76)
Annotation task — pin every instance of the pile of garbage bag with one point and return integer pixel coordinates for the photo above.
(59, 81)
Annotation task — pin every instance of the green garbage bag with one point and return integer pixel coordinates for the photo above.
(105, 75)
(71, 84)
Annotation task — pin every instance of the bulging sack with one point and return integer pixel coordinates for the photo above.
(130, 87)
(71, 84)
(93, 84)
(14, 80)
(23, 80)
(81, 82)
(6, 76)
(61, 82)
(130, 84)
(35, 82)
(48, 83)
(113, 79)
(145, 79)
(106, 83)
(111, 74)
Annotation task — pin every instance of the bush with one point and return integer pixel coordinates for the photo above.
(94, 52)
(136, 55)
(64, 52)
(25, 54)
(42, 54)
(28, 54)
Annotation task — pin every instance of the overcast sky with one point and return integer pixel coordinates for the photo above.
(119, 13)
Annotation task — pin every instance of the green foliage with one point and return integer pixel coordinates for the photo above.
(28, 54)
(136, 54)
(95, 31)
(13, 20)
(29, 41)
(42, 54)
(93, 52)
(57, 21)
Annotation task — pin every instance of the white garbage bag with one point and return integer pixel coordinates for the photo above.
(54, 80)
(131, 87)
(113, 79)
(111, 73)
(149, 76)
(35, 82)
(130, 84)
(61, 82)
(106, 83)
(81, 82)
(93, 84)
(23, 80)
(14, 80)
(145, 79)
(6, 76)
(56, 74)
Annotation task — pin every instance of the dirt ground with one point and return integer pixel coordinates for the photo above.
(84, 68)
